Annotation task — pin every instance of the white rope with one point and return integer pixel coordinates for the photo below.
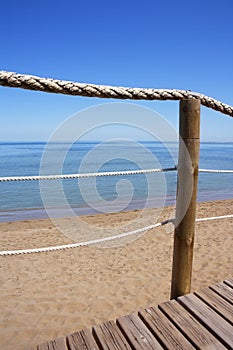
(218, 171)
(82, 244)
(110, 173)
(102, 240)
(215, 218)
(81, 176)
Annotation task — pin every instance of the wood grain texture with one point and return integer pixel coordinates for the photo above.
(56, 344)
(207, 316)
(188, 325)
(203, 320)
(164, 330)
(82, 340)
(229, 282)
(187, 183)
(224, 291)
(137, 334)
(109, 336)
(220, 305)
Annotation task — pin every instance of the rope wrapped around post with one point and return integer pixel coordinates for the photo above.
(30, 82)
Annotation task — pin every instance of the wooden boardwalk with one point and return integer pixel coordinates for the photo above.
(202, 320)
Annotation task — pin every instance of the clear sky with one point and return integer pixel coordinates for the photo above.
(161, 44)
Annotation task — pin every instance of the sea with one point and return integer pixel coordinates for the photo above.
(24, 200)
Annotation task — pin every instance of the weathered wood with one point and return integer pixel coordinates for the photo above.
(203, 320)
(229, 282)
(221, 306)
(224, 291)
(82, 340)
(137, 334)
(109, 336)
(164, 330)
(206, 315)
(56, 344)
(194, 331)
(186, 197)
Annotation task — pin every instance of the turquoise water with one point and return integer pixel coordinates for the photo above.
(22, 200)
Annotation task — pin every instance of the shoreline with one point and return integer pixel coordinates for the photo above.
(47, 295)
(21, 214)
(20, 234)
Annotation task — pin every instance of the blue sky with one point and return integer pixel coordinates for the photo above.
(171, 44)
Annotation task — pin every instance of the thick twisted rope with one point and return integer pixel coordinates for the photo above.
(217, 171)
(102, 240)
(30, 82)
(83, 244)
(110, 173)
(86, 175)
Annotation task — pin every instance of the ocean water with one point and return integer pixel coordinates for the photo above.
(27, 199)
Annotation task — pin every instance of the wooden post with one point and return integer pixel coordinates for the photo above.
(189, 147)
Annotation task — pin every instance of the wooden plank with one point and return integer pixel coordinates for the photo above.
(164, 330)
(56, 344)
(82, 340)
(109, 336)
(203, 320)
(224, 291)
(206, 315)
(188, 325)
(229, 281)
(217, 303)
(137, 334)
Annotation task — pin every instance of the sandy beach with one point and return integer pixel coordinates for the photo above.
(45, 295)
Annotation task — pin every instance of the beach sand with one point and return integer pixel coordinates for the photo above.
(46, 295)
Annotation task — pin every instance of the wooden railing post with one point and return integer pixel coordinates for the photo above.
(189, 146)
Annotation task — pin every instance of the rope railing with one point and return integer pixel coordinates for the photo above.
(102, 240)
(217, 171)
(100, 174)
(82, 176)
(83, 244)
(30, 82)
(35, 83)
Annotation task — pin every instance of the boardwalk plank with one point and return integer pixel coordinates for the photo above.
(82, 340)
(203, 320)
(56, 344)
(229, 282)
(164, 330)
(217, 303)
(205, 314)
(188, 325)
(224, 291)
(137, 334)
(109, 336)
